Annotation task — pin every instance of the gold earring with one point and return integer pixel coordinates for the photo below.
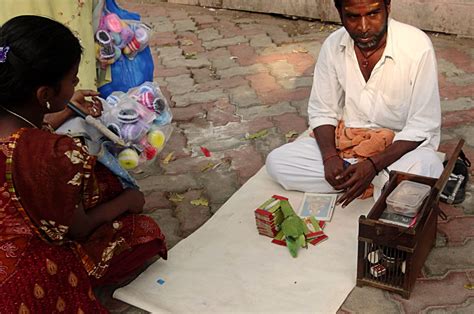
(48, 105)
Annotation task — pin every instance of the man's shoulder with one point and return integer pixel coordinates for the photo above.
(336, 38)
(409, 37)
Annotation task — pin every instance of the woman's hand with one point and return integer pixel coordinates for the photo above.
(91, 107)
(134, 199)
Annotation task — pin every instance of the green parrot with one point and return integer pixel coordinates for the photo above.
(293, 228)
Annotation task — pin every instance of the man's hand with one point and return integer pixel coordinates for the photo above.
(356, 179)
(333, 168)
(91, 107)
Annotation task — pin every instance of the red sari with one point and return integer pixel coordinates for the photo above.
(43, 177)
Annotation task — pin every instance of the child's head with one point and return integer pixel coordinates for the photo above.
(40, 56)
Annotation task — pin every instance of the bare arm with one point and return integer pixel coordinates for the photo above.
(93, 108)
(84, 223)
(333, 164)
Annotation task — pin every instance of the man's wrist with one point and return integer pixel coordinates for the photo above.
(329, 156)
(373, 164)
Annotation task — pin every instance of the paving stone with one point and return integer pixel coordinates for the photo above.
(164, 72)
(204, 19)
(199, 62)
(253, 112)
(176, 144)
(279, 36)
(428, 292)
(296, 82)
(441, 260)
(156, 200)
(172, 183)
(220, 138)
(301, 106)
(463, 103)
(225, 84)
(241, 71)
(188, 165)
(246, 161)
(181, 84)
(224, 42)
(162, 24)
(163, 39)
(303, 63)
(208, 34)
(191, 217)
(188, 113)
(199, 97)
(202, 75)
(219, 184)
(465, 308)
(285, 95)
(190, 43)
(465, 130)
(243, 96)
(222, 63)
(222, 112)
(263, 83)
(448, 68)
(178, 14)
(450, 90)
(170, 53)
(290, 122)
(369, 300)
(268, 143)
(312, 48)
(458, 230)
(261, 40)
(282, 69)
(245, 54)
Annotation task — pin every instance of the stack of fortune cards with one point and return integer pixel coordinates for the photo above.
(268, 216)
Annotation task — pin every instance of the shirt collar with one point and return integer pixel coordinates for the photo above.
(348, 42)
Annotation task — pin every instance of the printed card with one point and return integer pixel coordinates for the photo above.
(321, 206)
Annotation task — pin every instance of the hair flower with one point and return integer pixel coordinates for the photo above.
(3, 53)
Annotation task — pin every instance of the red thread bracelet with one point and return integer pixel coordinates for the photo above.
(329, 157)
(373, 164)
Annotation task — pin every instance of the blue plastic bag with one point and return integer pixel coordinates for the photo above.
(128, 73)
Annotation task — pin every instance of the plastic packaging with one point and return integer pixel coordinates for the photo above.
(132, 63)
(407, 197)
(142, 118)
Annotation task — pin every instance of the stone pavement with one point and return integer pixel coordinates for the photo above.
(239, 84)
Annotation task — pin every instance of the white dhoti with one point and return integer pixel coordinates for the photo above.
(299, 166)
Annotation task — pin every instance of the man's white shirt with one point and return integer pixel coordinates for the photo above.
(401, 94)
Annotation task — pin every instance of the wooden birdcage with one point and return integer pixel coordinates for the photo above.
(390, 257)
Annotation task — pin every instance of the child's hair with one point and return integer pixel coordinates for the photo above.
(40, 52)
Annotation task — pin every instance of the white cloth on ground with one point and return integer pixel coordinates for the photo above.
(401, 94)
(299, 166)
(227, 267)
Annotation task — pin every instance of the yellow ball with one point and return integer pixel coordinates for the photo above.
(128, 159)
(156, 138)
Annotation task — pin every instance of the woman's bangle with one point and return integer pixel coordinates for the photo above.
(373, 164)
(329, 157)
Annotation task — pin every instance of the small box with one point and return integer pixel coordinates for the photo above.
(407, 197)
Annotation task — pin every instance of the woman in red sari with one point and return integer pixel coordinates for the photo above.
(66, 223)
